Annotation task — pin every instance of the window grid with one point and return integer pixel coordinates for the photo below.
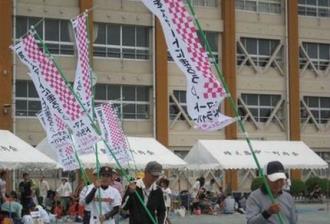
(103, 48)
(260, 50)
(27, 102)
(127, 108)
(180, 95)
(320, 108)
(260, 6)
(319, 53)
(204, 3)
(315, 8)
(260, 105)
(213, 40)
(55, 33)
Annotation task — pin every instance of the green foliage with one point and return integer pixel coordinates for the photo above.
(325, 186)
(256, 183)
(298, 188)
(312, 182)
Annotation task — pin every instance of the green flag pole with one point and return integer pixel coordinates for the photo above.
(233, 105)
(95, 127)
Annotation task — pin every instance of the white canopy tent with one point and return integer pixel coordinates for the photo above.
(17, 154)
(143, 149)
(235, 154)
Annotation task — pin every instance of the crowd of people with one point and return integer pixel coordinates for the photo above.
(143, 201)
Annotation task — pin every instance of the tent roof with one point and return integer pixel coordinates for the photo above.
(17, 154)
(235, 154)
(143, 149)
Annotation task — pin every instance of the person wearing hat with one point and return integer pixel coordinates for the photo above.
(151, 194)
(260, 209)
(102, 199)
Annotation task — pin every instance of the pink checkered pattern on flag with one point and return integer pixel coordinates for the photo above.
(53, 78)
(186, 29)
(204, 91)
(61, 126)
(83, 71)
(117, 135)
(113, 132)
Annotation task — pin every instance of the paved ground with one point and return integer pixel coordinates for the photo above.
(307, 214)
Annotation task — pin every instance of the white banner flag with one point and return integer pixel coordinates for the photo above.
(82, 84)
(52, 88)
(204, 91)
(113, 133)
(59, 139)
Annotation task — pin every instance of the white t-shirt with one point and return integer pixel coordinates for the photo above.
(195, 189)
(27, 219)
(64, 190)
(2, 187)
(43, 215)
(83, 194)
(43, 187)
(167, 196)
(109, 198)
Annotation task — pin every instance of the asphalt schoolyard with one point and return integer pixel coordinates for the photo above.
(307, 214)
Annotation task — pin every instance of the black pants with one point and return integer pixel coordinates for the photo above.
(87, 216)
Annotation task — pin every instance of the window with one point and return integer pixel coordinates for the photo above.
(122, 41)
(318, 53)
(54, 32)
(260, 6)
(260, 105)
(326, 157)
(132, 102)
(26, 99)
(206, 3)
(180, 96)
(260, 50)
(316, 8)
(213, 40)
(320, 108)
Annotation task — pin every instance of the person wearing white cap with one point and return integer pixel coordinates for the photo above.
(260, 209)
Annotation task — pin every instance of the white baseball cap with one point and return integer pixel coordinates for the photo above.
(275, 171)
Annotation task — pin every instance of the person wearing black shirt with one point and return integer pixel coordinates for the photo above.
(25, 189)
(151, 195)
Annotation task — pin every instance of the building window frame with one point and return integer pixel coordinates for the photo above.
(321, 8)
(319, 108)
(62, 45)
(116, 94)
(27, 102)
(260, 6)
(204, 3)
(254, 49)
(136, 51)
(256, 105)
(316, 53)
(174, 110)
(213, 40)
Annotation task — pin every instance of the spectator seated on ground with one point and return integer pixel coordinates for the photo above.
(316, 193)
(205, 205)
(49, 201)
(58, 210)
(11, 207)
(229, 204)
(185, 199)
(35, 214)
(76, 210)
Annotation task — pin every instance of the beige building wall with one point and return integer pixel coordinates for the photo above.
(316, 30)
(141, 72)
